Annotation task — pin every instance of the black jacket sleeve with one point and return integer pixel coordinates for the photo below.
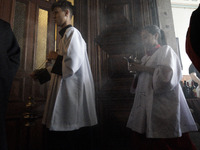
(9, 57)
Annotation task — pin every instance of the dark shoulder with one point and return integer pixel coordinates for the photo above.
(4, 25)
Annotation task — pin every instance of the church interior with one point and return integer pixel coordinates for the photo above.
(110, 29)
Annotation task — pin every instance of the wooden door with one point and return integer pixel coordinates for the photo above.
(33, 26)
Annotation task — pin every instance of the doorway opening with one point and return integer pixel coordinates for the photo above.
(181, 12)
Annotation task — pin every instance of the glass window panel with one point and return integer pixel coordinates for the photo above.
(40, 55)
(72, 1)
(19, 24)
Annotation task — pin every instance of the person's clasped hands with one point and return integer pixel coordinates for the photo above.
(51, 56)
(137, 67)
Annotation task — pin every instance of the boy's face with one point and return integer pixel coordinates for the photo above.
(60, 16)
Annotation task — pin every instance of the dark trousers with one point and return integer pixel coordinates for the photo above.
(3, 141)
(3, 144)
(81, 139)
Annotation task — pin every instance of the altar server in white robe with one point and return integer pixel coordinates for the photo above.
(71, 96)
(160, 116)
(70, 101)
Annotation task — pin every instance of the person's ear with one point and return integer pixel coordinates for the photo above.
(67, 12)
(156, 36)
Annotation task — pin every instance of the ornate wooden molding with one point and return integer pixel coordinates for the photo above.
(120, 35)
(119, 40)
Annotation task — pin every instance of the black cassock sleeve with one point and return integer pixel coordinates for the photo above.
(57, 68)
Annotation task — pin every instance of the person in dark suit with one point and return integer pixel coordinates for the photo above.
(192, 45)
(9, 63)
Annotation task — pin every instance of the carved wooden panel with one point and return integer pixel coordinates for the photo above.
(119, 37)
(4, 13)
(114, 115)
(17, 90)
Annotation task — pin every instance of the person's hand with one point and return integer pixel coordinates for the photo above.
(33, 75)
(52, 55)
(136, 67)
(141, 68)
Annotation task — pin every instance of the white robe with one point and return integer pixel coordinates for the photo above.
(71, 97)
(160, 109)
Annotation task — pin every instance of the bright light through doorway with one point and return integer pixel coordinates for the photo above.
(181, 11)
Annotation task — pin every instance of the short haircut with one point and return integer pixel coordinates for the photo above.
(64, 5)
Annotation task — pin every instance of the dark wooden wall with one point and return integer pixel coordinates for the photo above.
(119, 23)
(110, 28)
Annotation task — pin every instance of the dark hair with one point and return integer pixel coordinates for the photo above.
(63, 4)
(153, 29)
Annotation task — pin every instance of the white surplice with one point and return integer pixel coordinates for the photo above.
(160, 109)
(71, 97)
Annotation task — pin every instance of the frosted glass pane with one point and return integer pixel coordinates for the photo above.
(72, 1)
(40, 55)
(19, 24)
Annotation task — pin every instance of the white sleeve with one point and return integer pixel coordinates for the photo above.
(167, 74)
(75, 48)
(194, 77)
